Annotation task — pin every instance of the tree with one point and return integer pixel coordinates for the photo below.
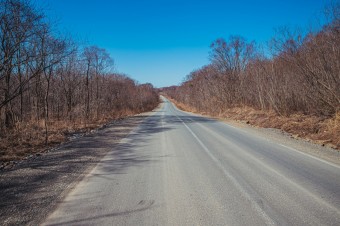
(20, 26)
(98, 62)
(232, 56)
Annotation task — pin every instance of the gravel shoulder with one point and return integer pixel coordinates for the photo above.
(299, 144)
(281, 137)
(31, 189)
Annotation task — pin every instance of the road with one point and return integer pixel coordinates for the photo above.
(178, 168)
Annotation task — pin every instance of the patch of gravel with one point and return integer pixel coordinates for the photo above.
(281, 137)
(32, 188)
(325, 152)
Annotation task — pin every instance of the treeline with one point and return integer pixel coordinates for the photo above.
(46, 78)
(302, 76)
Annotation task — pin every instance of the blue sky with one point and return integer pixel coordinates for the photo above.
(161, 41)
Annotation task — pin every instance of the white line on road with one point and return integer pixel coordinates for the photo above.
(310, 156)
(262, 213)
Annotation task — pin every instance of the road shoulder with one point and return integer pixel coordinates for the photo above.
(33, 188)
(282, 138)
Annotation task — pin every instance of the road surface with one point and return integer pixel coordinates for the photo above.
(178, 168)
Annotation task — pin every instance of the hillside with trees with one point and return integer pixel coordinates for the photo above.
(51, 87)
(296, 89)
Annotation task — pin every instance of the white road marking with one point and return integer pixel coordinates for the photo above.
(310, 156)
(262, 213)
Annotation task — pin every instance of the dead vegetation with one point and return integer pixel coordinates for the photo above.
(321, 130)
(296, 88)
(27, 139)
(50, 87)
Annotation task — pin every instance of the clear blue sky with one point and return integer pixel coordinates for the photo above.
(161, 41)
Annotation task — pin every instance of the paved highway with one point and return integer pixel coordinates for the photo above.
(178, 168)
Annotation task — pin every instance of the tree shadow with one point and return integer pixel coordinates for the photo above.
(149, 205)
(42, 180)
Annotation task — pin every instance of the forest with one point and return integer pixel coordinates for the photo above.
(295, 88)
(50, 86)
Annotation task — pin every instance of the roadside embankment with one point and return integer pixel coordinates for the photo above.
(31, 189)
(28, 139)
(320, 130)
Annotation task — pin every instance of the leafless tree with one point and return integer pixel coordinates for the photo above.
(302, 76)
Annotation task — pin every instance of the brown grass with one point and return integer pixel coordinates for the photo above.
(28, 138)
(321, 130)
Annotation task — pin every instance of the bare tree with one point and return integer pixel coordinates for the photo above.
(302, 75)
(19, 28)
(232, 56)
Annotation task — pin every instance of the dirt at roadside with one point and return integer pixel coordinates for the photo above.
(308, 134)
(320, 130)
(297, 143)
(27, 139)
(31, 189)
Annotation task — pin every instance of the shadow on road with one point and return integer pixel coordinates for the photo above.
(42, 181)
(90, 220)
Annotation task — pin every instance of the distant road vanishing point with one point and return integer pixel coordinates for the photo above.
(179, 168)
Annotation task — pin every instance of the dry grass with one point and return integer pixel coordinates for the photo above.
(28, 138)
(318, 129)
(325, 131)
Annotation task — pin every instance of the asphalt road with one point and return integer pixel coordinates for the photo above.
(178, 168)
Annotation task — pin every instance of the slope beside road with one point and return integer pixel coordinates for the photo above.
(32, 189)
(177, 168)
